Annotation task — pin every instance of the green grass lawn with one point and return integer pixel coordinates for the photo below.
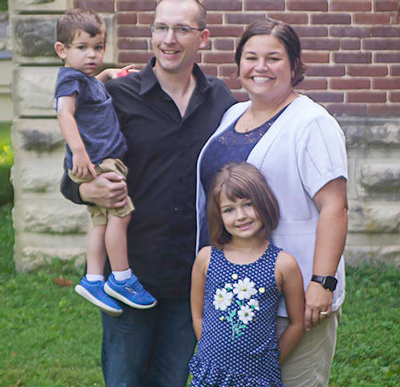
(50, 337)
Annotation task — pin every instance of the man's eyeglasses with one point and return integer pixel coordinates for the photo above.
(162, 29)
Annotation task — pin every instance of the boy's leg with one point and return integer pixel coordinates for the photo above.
(116, 242)
(128, 290)
(96, 250)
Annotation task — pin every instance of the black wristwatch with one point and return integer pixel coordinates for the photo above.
(327, 281)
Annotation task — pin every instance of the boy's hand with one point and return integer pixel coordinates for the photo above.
(112, 73)
(82, 166)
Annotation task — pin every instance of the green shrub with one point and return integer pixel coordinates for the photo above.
(6, 162)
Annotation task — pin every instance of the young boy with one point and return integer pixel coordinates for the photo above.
(94, 145)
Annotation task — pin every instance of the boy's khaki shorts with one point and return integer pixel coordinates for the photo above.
(99, 215)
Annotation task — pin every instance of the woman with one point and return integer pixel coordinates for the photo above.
(300, 149)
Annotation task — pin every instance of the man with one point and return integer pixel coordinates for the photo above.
(166, 112)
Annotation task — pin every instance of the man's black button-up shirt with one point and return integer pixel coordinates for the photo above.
(162, 152)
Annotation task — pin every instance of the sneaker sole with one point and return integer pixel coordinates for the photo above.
(89, 297)
(111, 292)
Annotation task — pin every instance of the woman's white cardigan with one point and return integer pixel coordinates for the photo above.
(302, 151)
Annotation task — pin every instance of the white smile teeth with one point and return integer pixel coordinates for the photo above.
(169, 52)
(261, 79)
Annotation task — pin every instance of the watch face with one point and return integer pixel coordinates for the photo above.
(329, 282)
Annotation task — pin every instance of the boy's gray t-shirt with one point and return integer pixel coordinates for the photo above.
(95, 116)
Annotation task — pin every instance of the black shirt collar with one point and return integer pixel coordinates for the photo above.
(149, 79)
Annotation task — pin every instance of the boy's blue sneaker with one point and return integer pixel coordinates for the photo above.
(94, 293)
(130, 292)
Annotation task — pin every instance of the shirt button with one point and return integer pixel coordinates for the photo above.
(175, 209)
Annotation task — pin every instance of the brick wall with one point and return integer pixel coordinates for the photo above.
(351, 47)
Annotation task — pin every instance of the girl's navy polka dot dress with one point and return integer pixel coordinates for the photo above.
(239, 345)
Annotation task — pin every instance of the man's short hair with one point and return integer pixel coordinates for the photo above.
(202, 14)
(78, 19)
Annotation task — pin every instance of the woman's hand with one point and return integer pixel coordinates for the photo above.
(318, 299)
(108, 190)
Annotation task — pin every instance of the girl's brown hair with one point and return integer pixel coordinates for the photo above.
(239, 181)
(285, 34)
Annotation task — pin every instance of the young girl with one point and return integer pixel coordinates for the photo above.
(236, 285)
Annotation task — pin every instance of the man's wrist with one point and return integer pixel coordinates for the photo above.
(327, 281)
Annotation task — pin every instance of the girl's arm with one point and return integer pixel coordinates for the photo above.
(331, 201)
(290, 281)
(199, 272)
(82, 165)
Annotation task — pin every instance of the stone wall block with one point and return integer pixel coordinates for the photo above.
(37, 135)
(33, 38)
(33, 91)
(54, 219)
(374, 217)
(356, 255)
(381, 177)
(40, 5)
(34, 258)
(361, 133)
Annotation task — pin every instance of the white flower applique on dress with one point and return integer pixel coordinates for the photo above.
(237, 300)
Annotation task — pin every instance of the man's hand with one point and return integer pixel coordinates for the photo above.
(318, 299)
(108, 190)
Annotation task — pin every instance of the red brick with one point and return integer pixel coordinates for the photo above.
(243, 18)
(366, 96)
(384, 109)
(381, 44)
(233, 83)
(223, 44)
(227, 71)
(333, 18)
(357, 32)
(349, 84)
(327, 96)
(326, 71)
(208, 45)
(319, 44)
(216, 31)
(350, 44)
(395, 70)
(350, 57)
(220, 57)
(385, 31)
(126, 18)
(136, 5)
(371, 18)
(307, 5)
(315, 57)
(387, 57)
(133, 44)
(304, 31)
(394, 96)
(346, 5)
(209, 69)
(386, 83)
(223, 5)
(367, 71)
(136, 31)
(96, 5)
(312, 84)
(214, 18)
(264, 5)
(290, 18)
(388, 5)
(134, 56)
(145, 18)
(347, 109)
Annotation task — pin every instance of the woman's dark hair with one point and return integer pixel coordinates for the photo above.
(286, 35)
(78, 19)
(240, 181)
